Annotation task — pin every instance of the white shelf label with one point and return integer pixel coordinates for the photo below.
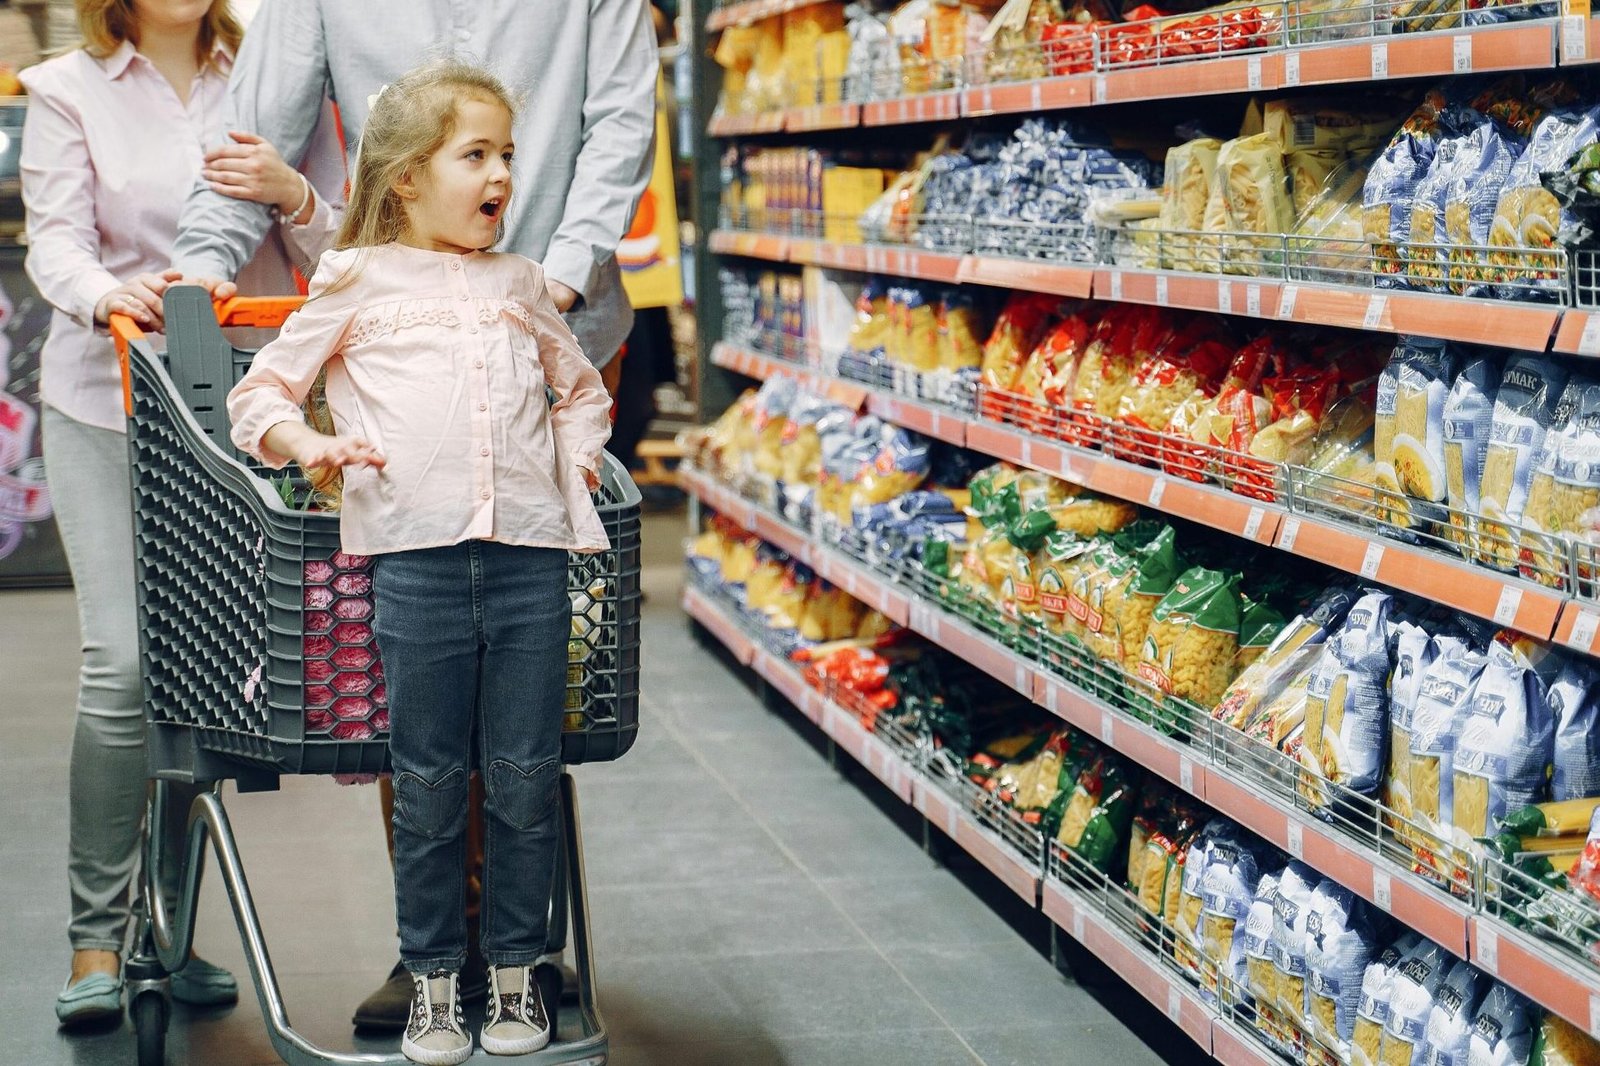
(1225, 297)
(1372, 560)
(1589, 341)
(919, 797)
(1287, 535)
(1025, 452)
(1158, 489)
(1174, 1004)
(1584, 628)
(1185, 775)
(1036, 96)
(1107, 727)
(1291, 69)
(1594, 1014)
(1077, 925)
(1488, 954)
(1382, 890)
(1252, 523)
(1380, 59)
(1286, 297)
(1100, 92)
(1161, 290)
(1461, 54)
(1252, 300)
(1505, 612)
(1376, 306)
(1024, 679)
(1574, 37)
(952, 820)
(1297, 840)
(1116, 284)
(1052, 698)
(1252, 73)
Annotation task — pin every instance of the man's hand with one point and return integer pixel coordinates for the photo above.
(563, 295)
(139, 298)
(251, 169)
(219, 290)
(311, 449)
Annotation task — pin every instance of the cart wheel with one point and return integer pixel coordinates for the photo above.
(549, 978)
(149, 1012)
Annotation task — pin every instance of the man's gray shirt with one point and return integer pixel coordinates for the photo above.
(585, 74)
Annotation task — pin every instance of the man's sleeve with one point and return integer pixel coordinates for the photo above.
(619, 121)
(279, 79)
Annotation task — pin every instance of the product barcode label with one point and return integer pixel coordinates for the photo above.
(1107, 727)
(1052, 698)
(1291, 69)
(1488, 957)
(952, 821)
(1252, 73)
(1174, 1004)
(1077, 925)
(1372, 560)
(1023, 682)
(1116, 284)
(1158, 489)
(1380, 59)
(1286, 297)
(1025, 452)
(1037, 95)
(1505, 612)
(1594, 1014)
(1296, 844)
(1575, 37)
(1584, 628)
(1382, 890)
(1252, 524)
(1186, 775)
(1375, 309)
(1589, 341)
(1100, 92)
(1225, 297)
(1287, 535)
(1161, 290)
(1252, 300)
(1461, 54)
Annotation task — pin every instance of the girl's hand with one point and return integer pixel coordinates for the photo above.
(251, 169)
(590, 478)
(321, 450)
(139, 298)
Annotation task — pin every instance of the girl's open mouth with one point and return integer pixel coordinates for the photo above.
(491, 208)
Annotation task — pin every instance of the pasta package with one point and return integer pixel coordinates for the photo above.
(1290, 655)
(1468, 420)
(1575, 702)
(1191, 900)
(1455, 1009)
(1441, 706)
(1502, 1031)
(1483, 167)
(1340, 944)
(1249, 194)
(1566, 484)
(1560, 1043)
(1051, 369)
(1296, 885)
(1426, 257)
(1391, 183)
(1347, 700)
(1099, 812)
(1417, 979)
(1190, 649)
(1227, 889)
(1372, 1013)
(1527, 216)
(1309, 173)
(1411, 458)
(1189, 168)
(1130, 601)
(1504, 748)
(1260, 976)
(1309, 126)
(1016, 333)
(1524, 409)
(1414, 653)
(961, 326)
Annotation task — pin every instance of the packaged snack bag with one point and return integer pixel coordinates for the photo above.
(1527, 216)
(1455, 1009)
(1340, 945)
(1290, 655)
(1524, 409)
(1022, 322)
(1372, 1014)
(1347, 701)
(1417, 980)
(1574, 700)
(1226, 891)
(1504, 748)
(1502, 1031)
(1289, 913)
(1411, 459)
(1442, 704)
(1189, 168)
(961, 326)
(1468, 420)
(1190, 649)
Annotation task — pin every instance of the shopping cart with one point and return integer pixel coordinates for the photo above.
(258, 659)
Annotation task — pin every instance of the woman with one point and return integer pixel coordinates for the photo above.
(117, 133)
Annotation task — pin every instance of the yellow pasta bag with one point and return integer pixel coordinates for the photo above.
(1524, 410)
(1057, 566)
(1193, 640)
(1189, 167)
(1442, 706)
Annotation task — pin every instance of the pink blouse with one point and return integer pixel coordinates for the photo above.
(441, 361)
(109, 155)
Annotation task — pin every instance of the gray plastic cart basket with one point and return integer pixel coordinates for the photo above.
(259, 660)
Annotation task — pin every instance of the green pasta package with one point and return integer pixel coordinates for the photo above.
(1192, 645)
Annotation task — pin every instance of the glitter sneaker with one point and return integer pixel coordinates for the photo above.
(434, 1033)
(515, 1023)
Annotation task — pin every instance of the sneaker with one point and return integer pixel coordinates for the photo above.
(515, 1022)
(435, 1035)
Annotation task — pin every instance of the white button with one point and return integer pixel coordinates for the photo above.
(485, 494)
(483, 407)
(463, 296)
(472, 329)
(455, 265)
(483, 451)
(479, 364)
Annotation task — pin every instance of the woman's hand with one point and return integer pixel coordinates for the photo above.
(251, 169)
(311, 449)
(590, 478)
(139, 298)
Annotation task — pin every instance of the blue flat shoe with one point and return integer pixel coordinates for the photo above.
(89, 999)
(200, 984)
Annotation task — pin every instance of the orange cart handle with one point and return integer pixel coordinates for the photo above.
(258, 311)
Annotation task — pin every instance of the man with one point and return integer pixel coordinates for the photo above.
(584, 141)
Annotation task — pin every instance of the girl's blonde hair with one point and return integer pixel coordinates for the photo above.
(410, 121)
(105, 24)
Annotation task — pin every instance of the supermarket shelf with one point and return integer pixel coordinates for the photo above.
(1514, 46)
(919, 417)
(751, 11)
(758, 520)
(1580, 40)
(753, 245)
(1530, 967)
(1175, 761)
(1502, 598)
(1234, 1046)
(1201, 77)
(747, 125)
(1164, 990)
(885, 597)
(821, 117)
(877, 259)
(1579, 333)
(702, 610)
(755, 365)
(925, 107)
(1579, 627)
(1060, 279)
(1046, 94)
(981, 650)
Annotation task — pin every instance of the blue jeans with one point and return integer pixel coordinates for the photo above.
(474, 645)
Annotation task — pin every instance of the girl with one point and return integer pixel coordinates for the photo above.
(117, 134)
(470, 490)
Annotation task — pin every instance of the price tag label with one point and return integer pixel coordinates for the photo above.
(952, 821)
(1589, 340)
(1025, 452)
(1116, 284)
(1252, 73)
(1023, 681)
(1291, 69)
(1185, 775)
(936, 424)
(1584, 628)
(919, 796)
(1375, 309)
(1107, 727)
(1161, 290)
(1297, 840)
(1100, 90)
(1594, 1014)
(1287, 533)
(1252, 524)
(988, 99)
(1077, 925)
(1461, 54)
(1225, 297)
(1036, 96)
(1286, 298)
(850, 581)
(1174, 1004)
(1505, 612)
(1371, 561)
(1252, 300)
(1382, 890)
(1575, 37)
(1488, 953)
(1052, 698)
(1158, 489)
(1380, 59)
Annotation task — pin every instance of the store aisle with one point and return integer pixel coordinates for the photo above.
(753, 906)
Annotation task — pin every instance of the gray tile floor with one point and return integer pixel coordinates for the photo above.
(753, 905)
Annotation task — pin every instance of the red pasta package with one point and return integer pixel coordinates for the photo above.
(1189, 363)
(1016, 333)
(1051, 369)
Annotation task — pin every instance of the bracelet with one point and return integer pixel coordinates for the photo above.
(305, 198)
